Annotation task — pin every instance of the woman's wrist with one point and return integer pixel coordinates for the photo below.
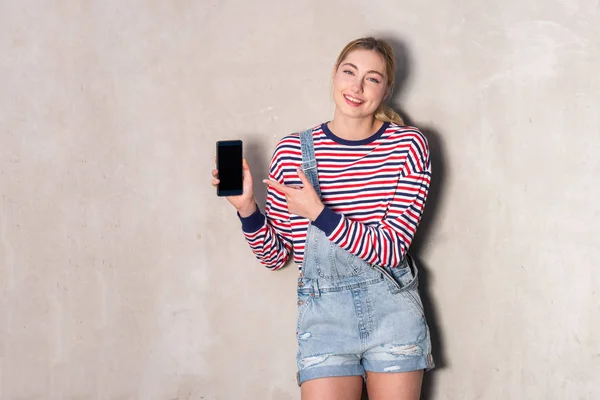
(247, 210)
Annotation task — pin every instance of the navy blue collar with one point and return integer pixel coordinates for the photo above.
(346, 142)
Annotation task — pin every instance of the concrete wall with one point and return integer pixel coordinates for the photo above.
(123, 276)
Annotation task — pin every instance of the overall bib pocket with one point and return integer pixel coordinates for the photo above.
(342, 264)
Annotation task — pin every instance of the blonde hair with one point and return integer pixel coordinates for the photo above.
(384, 112)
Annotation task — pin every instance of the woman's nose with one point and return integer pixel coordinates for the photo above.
(357, 86)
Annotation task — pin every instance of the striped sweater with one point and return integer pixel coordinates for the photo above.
(374, 191)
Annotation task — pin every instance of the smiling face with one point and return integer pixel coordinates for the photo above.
(360, 83)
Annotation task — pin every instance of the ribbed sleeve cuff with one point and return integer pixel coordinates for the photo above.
(253, 222)
(327, 221)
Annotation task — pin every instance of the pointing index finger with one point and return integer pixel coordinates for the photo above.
(282, 188)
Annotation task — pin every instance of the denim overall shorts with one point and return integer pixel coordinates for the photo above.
(352, 316)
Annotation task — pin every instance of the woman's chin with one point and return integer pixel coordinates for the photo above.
(355, 113)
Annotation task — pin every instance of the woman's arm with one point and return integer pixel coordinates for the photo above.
(387, 242)
(270, 235)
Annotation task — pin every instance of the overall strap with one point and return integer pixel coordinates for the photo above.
(309, 162)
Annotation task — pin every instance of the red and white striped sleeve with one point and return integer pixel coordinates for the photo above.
(270, 235)
(387, 242)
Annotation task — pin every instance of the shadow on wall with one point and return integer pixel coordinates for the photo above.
(428, 220)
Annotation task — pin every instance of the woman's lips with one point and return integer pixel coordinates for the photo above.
(353, 101)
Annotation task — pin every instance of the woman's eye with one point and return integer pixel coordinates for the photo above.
(349, 72)
(374, 80)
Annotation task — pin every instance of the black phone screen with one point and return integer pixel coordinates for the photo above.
(229, 164)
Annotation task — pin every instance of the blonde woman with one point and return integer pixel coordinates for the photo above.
(346, 197)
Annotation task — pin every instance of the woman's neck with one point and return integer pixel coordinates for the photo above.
(354, 128)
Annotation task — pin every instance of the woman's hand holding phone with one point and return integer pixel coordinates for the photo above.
(245, 204)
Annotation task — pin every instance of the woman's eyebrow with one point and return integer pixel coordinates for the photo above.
(355, 67)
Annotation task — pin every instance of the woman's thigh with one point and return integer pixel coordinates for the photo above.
(334, 388)
(394, 386)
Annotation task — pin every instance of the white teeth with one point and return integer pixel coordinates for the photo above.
(352, 99)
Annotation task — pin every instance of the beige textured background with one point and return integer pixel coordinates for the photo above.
(123, 276)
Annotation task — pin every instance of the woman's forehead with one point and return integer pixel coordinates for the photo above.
(365, 60)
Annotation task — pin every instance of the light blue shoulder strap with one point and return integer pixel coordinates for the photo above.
(309, 161)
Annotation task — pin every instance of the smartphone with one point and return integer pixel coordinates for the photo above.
(229, 164)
